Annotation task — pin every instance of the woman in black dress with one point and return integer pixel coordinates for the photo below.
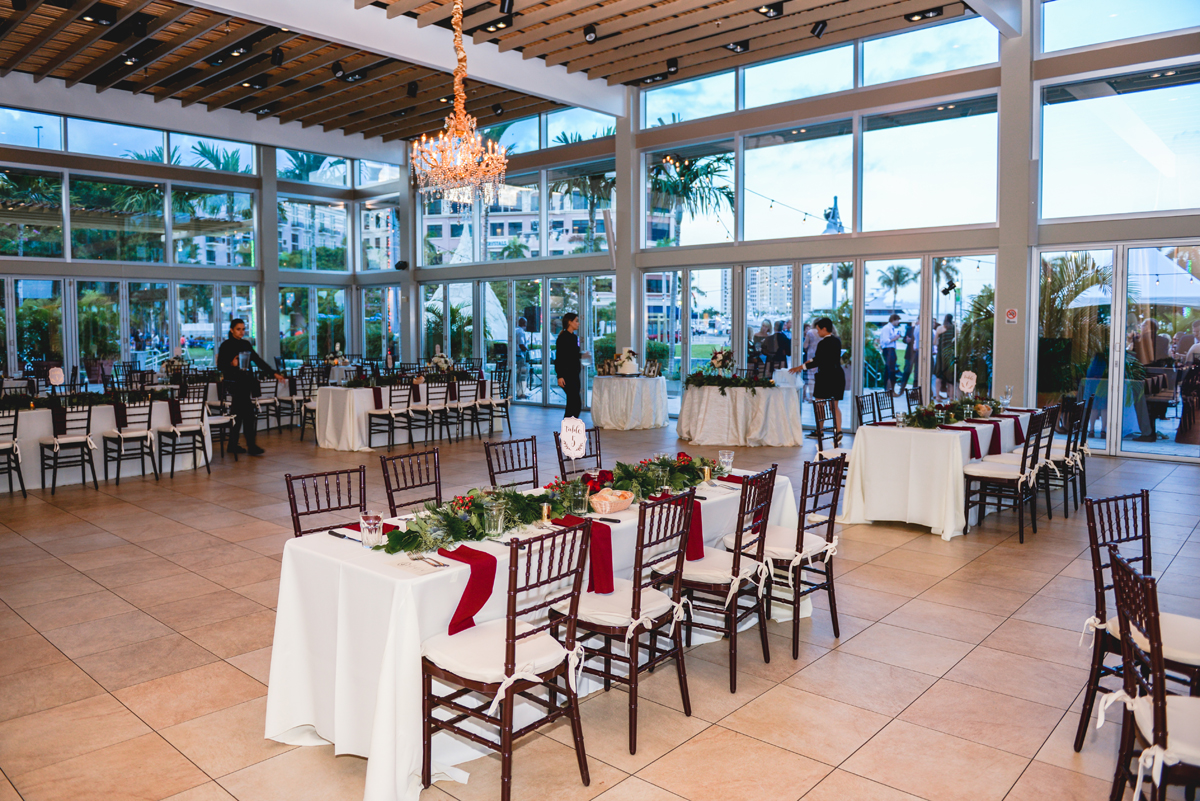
(831, 379)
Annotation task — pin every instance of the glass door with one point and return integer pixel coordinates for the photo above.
(600, 337)
(197, 323)
(768, 317)
(98, 315)
(1161, 355)
(433, 316)
(1074, 317)
(530, 368)
(460, 301)
(663, 299)
(964, 312)
(240, 302)
(564, 297)
(827, 290)
(891, 301)
(149, 324)
(293, 325)
(39, 321)
(711, 294)
(497, 313)
(331, 320)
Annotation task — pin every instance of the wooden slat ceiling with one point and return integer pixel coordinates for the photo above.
(171, 50)
(635, 38)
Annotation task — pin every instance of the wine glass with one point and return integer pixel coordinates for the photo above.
(1006, 398)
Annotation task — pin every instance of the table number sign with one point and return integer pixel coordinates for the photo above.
(573, 437)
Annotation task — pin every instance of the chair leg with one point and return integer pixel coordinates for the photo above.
(1049, 506)
(198, 441)
(1124, 753)
(633, 690)
(1033, 504)
(763, 605)
(1021, 518)
(577, 735)
(426, 728)
(1093, 685)
(106, 462)
(731, 633)
(15, 465)
(682, 671)
(506, 745)
(832, 597)
(608, 646)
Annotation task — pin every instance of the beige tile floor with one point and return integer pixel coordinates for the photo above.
(137, 625)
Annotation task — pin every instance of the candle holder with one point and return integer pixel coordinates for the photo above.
(546, 514)
(707, 474)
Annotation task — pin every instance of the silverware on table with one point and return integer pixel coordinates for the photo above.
(344, 537)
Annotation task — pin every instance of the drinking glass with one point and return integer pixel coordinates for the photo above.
(1006, 398)
(725, 458)
(370, 525)
(493, 520)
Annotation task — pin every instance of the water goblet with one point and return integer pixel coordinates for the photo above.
(725, 459)
(370, 526)
(493, 520)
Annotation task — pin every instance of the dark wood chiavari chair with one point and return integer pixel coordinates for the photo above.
(885, 406)
(1123, 522)
(864, 407)
(717, 584)
(10, 449)
(325, 494)
(513, 456)
(430, 413)
(267, 401)
(405, 474)
(132, 439)
(463, 409)
(913, 397)
(823, 414)
(185, 436)
(1006, 481)
(1150, 710)
(71, 445)
(392, 414)
(591, 459)
(498, 403)
(648, 604)
(542, 571)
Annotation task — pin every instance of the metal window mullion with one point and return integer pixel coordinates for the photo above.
(544, 214)
(124, 322)
(859, 351)
(168, 225)
(925, 352)
(856, 183)
(739, 187)
(70, 322)
(1116, 349)
(68, 255)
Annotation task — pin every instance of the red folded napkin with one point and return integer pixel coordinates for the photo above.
(358, 527)
(732, 479)
(600, 579)
(1018, 431)
(377, 396)
(975, 452)
(883, 423)
(695, 543)
(993, 448)
(479, 585)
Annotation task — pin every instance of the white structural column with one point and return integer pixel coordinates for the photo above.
(1006, 15)
(1016, 190)
(268, 256)
(628, 216)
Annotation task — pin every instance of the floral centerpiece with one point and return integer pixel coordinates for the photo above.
(704, 378)
(334, 357)
(720, 361)
(931, 416)
(440, 363)
(172, 366)
(681, 472)
(462, 519)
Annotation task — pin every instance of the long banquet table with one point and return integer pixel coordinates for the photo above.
(762, 417)
(34, 425)
(915, 475)
(342, 423)
(346, 661)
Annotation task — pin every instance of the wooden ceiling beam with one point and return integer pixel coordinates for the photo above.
(88, 39)
(402, 7)
(231, 64)
(324, 83)
(252, 71)
(427, 112)
(522, 16)
(161, 50)
(535, 105)
(539, 16)
(349, 92)
(293, 73)
(243, 31)
(65, 18)
(470, 15)
(638, 10)
(368, 98)
(10, 24)
(712, 49)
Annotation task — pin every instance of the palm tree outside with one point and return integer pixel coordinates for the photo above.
(596, 189)
(696, 185)
(844, 272)
(894, 278)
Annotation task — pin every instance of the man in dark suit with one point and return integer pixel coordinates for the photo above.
(235, 360)
(568, 364)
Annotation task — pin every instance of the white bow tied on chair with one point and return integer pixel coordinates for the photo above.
(574, 669)
(1090, 626)
(759, 577)
(87, 439)
(677, 614)
(826, 552)
(1152, 757)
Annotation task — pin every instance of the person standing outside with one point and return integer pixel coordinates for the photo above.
(912, 346)
(568, 364)
(889, 335)
(522, 359)
(235, 358)
(831, 378)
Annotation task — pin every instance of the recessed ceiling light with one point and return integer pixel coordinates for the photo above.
(246, 85)
(941, 108)
(130, 60)
(1169, 72)
(950, 106)
(803, 130)
(1156, 75)
(795, 132)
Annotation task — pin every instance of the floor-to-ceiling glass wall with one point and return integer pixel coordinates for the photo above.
(498, 346)
(964, 311)
(600, 338)
(239, 302)
(331, 320)
(892, 288)
(374, 322)
(768, 317)
(1162, 359)
(827, 290)
(663, 299)
(433, 316)
(39, 321)
(530, 369)
(3, 329)
(197, 322)
(710, 296)
(149, 324)
(564, 297)
(460, 303)
(98, 321)
(1074, 316)
(293, 324)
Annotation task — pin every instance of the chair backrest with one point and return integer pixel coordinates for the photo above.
(864, 405)
(823, 413)
(820, 488)
(1074, 424)
(753, 511)
(885, 407)
(469, 364)
(467, 391)
(8, 424)
(76, 421)
(1031, 448)
(402, 475)
(1120, 521)
(663, 527)
(269, 387)
(512, 456)
(324, 493)
(191, 412)
(1137, 610)
(544, 571)
(137, 415)
(501, 381)
(591, 455)
(436, 391)
(195, 392)
(913, 396)
(1049, 427)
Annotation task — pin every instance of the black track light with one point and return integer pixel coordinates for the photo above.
(130, 59)
(921, 16)
(356, 77)
(498, 110)
(738, 47)
(589, 34)
(277, 57)
(20, 5)
(412, 89)
(818, 28)
(950, 287)
(672, 66)
(337, 69)
(771, 10)
(507, 7)
(501, 24)
(238, 51)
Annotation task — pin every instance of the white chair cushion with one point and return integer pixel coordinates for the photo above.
(188, 429)
(493, 402)
(265, 401)
(74, 439)
(6, 444)
(833, 453)
(1004, 458)
(129, 433)
(993, 470)
(1183, 727)
(478, 652)
(616, 608)
(219, 420)
(781, 542)
(1180, 635)
(311, 405)
(715, 568)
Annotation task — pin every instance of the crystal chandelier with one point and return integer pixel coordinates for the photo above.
(457, 164)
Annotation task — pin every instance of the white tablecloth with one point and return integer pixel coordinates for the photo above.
(628, 403)
(36, 424)
(915, 475)
(346, 662)
(338, 373)
(769, 417)
(342, 423)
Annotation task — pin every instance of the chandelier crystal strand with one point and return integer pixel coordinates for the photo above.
(457, 163)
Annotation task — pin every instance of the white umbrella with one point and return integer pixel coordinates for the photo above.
(1154, 280)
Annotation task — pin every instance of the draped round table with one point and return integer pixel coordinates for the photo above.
(761, 417)
(628, 403)
(342, 423)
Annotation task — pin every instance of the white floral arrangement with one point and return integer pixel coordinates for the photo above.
(440, 363)
(721, 360)
(171, 366)
(334, 357)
